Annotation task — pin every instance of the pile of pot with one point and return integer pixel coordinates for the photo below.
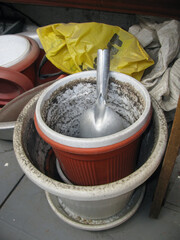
(19, 55)
(100, 174)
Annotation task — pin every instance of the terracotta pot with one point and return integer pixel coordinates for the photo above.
(94, 161)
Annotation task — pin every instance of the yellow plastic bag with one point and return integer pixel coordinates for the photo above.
(73, 47)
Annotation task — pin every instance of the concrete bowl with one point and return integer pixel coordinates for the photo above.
(90, 202)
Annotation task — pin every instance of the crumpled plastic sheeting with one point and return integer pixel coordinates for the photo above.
(162, 42)
(72, 47)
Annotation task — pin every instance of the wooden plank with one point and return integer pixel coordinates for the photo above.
(167, 166)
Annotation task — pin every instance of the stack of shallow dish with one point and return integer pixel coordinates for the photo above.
(17, 66)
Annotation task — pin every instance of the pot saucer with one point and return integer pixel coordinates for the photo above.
(96, 224)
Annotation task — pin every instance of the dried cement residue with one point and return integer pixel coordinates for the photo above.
(65, 106)
(133, 203)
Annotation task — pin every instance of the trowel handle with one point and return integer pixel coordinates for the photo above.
(103, 62)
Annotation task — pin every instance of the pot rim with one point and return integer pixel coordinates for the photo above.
(100, 141)
(93, 151)
(30, 58)
(91, 193)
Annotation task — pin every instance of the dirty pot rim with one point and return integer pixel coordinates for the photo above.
(100, 141)
(91, 193)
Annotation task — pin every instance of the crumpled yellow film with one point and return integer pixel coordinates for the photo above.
(72, 47)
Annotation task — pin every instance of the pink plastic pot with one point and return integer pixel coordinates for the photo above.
(18, 71)
(28, 65)
(12, 84)
(94, 161)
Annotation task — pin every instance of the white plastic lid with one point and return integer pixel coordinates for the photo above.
(13, 49)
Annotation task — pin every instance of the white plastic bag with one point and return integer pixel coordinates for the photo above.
(162, 42)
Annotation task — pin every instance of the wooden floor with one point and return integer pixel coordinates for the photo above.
(26, 214)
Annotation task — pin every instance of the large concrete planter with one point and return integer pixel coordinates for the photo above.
(94, 207)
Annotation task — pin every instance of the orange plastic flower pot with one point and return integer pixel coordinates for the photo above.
(93, 161)
(95, 166)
